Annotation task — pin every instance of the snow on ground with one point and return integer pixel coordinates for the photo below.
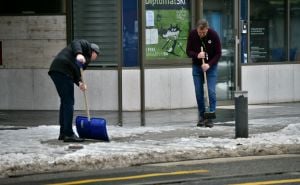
(36, 149)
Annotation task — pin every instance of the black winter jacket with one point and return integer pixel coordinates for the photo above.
(65, 61)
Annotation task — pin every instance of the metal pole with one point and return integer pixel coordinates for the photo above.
(240, 97)
(237, 8)
(120, 64)
(141, 22)
(248, 35)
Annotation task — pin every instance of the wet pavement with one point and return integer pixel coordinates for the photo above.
(14, 119)
(31, 118)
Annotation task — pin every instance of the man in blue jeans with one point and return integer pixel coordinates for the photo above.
(65, 71)
(208, 39)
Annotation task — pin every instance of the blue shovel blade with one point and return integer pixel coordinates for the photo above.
(93, 129)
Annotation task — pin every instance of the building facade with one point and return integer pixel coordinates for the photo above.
(143, 65)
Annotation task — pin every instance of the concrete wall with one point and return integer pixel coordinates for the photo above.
(169, 88)
(32, 89)
(271, 83)
(164, 89)
(131, 95)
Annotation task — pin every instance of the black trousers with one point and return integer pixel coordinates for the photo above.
(65, 89)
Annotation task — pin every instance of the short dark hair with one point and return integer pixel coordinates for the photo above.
(202, 24)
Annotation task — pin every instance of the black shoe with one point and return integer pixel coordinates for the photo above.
(209, 123)
(201, 122)
(73, 138)
(61, 137)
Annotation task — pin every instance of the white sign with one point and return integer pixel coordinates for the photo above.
(149, 18)
(151, 36)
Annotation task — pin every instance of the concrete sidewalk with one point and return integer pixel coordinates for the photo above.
(28, 139)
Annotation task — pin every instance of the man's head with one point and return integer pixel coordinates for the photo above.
(202, 28)
(95, 51)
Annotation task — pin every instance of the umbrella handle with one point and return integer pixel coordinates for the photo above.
(85, 97)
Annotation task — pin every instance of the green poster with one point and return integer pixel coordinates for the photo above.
(167, 27)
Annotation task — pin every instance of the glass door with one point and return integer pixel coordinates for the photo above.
(220, 15)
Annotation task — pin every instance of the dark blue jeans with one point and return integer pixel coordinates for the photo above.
(198, 78)
(65, 89)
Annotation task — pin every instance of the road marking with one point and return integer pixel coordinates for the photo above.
(270, 182)
(132, 177)
(223, 160)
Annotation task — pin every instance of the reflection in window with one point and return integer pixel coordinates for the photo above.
(295, 34)
(220, 18)
(130, 33)
(267, 32)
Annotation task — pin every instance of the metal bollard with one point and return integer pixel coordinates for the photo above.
(241, 114)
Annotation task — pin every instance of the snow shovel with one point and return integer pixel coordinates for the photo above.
(207, 113)
(90, 128)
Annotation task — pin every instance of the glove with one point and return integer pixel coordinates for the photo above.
(80, 58)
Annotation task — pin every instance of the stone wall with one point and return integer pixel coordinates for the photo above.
(31, 41)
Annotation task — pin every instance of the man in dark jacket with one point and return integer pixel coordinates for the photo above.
(208, 39)
(65, 71)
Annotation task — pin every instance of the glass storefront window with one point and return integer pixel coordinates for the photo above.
(130, 33)
(295, 34)
(220, 17)
(167, 27)
(267, 31)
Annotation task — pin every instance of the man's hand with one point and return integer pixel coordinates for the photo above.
(82, 86)
(205, 67)
(201, 55)
(80, 58)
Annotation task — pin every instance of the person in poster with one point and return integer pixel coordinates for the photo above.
(205, 37)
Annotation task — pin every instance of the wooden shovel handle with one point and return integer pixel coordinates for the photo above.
(205, 82)
(85, 97)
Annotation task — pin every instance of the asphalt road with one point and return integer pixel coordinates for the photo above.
(279, 169)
